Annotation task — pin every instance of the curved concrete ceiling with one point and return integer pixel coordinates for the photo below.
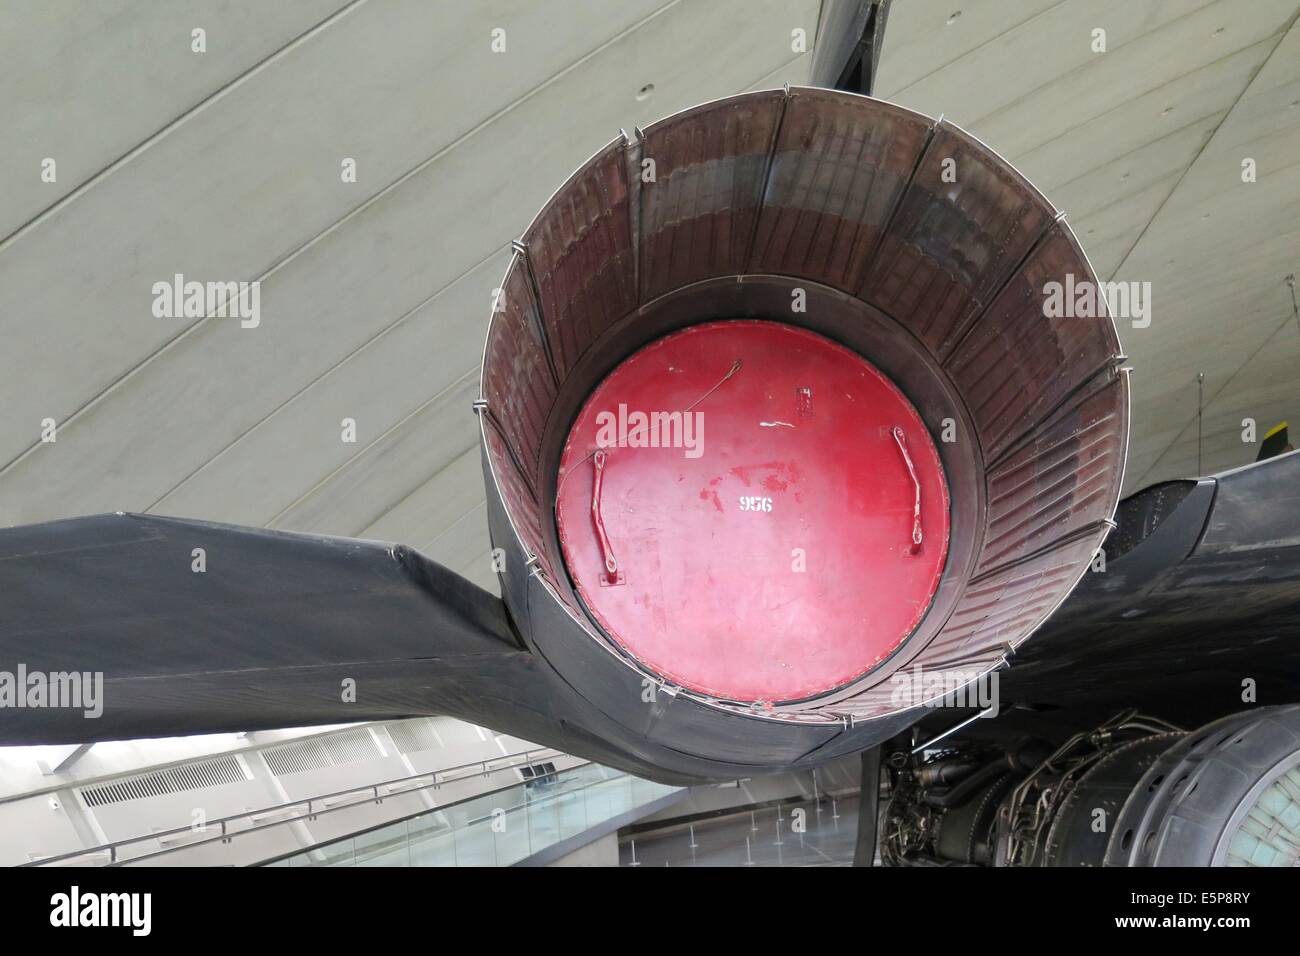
(227, 165)
(1142, 146)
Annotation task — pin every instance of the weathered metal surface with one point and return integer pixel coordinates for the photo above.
(838, 173)
(961, 230)
(698, 212)
(851, 203)
(764, 521)
(518, 385)
(580, 252)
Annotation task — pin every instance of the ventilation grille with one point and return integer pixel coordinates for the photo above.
(321, 752)
(538, 772)
(158, 783)
(411, 736)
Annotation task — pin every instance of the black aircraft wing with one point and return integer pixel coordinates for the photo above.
(1198, 603)
(197, 627)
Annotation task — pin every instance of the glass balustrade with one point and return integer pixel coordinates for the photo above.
(494, 829)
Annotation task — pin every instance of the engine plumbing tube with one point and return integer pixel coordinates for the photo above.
(1023, 757)
(945, 773)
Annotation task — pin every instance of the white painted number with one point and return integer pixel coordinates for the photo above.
(749, 503)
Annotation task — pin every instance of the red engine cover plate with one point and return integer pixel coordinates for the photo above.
(762, 537)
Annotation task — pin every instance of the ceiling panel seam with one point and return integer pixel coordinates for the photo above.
(352, 354)
(957, 59)
(184, 117)
(450, 527)
(1270, 337)
(1141, 187)
(337, 224)
(361, 452)
(1170, 179)
(485, 557)
(1111, 51)
(460, 456)
(1200, 152)
(393, 326)
(755, 87)
(1290, 316)
(1270, 41)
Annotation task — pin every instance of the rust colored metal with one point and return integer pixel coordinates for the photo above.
(901, 238)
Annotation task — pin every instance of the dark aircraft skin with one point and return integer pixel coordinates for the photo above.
(1211, 568)
(267, 635)
(1201, 592)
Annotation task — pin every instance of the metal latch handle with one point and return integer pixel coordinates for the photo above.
(611, 575)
